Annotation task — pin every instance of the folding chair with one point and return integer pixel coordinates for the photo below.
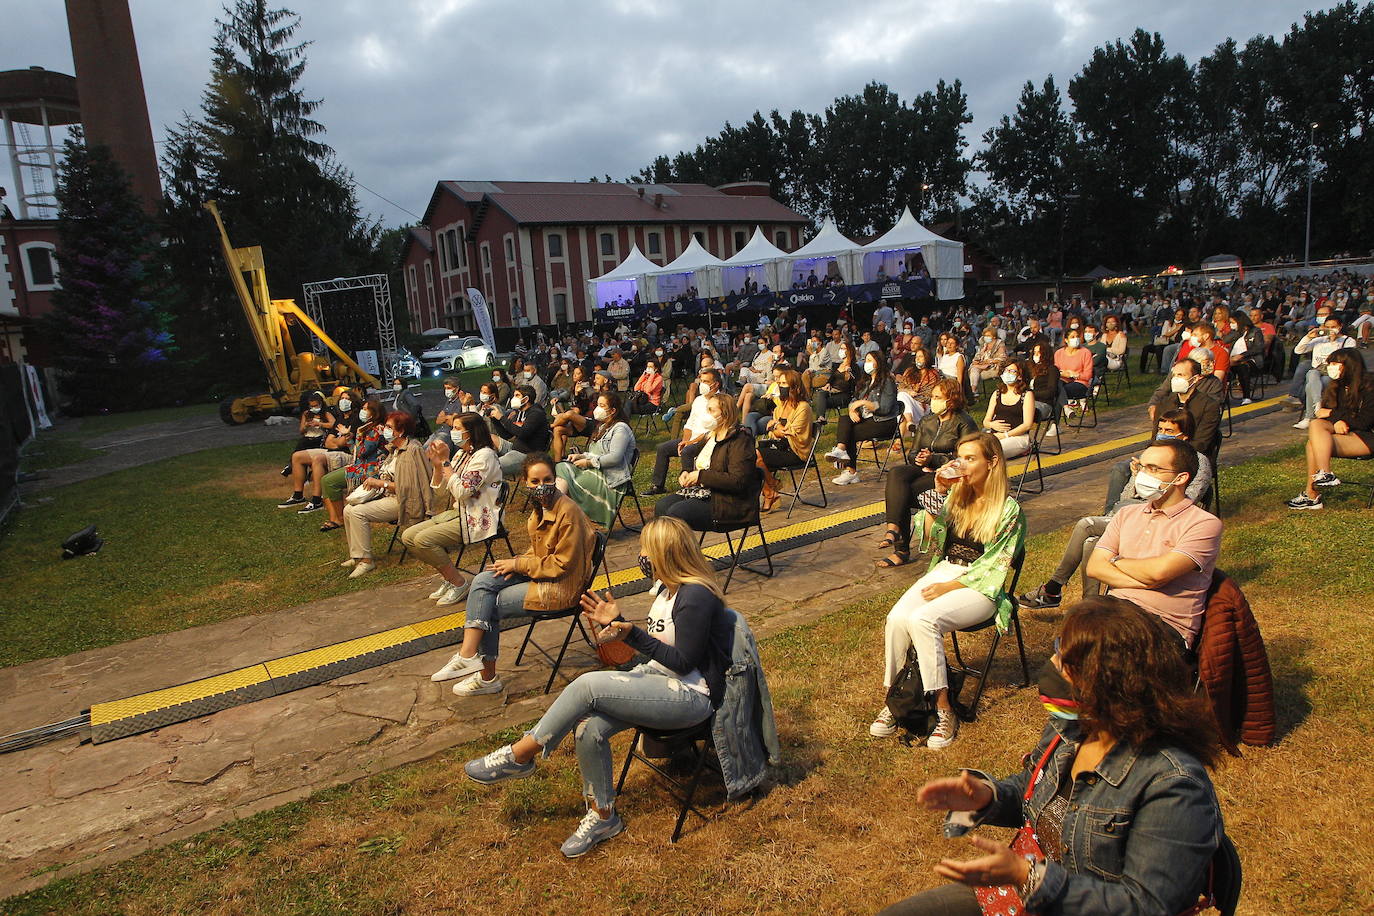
(1122, 372)
(1089, 405)
(959, 666)
(809, 465)
(1038, 432)
(1368, 485)
(1226, 413)
(881, 460)
(395, 535)
(502, 534)
(627, 491)
(572, 614)
(1213, 496)
(736, 546)
(695, 744)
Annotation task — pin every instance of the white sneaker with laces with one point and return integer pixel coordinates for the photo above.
(847, 476)
(440, 591)
(349, 562)
(884, 726)
(946, 730)
(457, 666)
(362, 568)
(453, 595)
(1303, 423)
(475, 686)
(838, 453)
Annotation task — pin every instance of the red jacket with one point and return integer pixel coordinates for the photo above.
(1234, 666)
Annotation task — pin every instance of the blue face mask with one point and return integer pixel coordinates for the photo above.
(1165, 436)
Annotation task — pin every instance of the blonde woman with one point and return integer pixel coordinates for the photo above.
(687, 638)
(978, 532)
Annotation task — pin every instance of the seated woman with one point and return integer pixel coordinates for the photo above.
(873, 414)
(1130, 741)
(1044, 379)
(1344, 425)
(549, 576)
(816, 373)
(757, 410)
(1075, 364)
(578, 420)
(316, 420)
(950, 360)
(647, 396)
(1116, 342)
(365, 460)
(1173, 424)
(403, 400)
(403, 482)
(1247, 354)
(501, 379)
(328, 452)
(937, 438)
(687, 639)
(1092, 342)
(561, 383)
(725, 487)
(978, 532)
(466, 489)
(988, 359)
(1011, 411)
(593, 478)
(786, 440)
(839, 386)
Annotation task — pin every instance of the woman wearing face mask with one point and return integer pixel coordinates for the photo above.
(1116, 342)
(561, 383)
(979, 530)
(1343, 427)
(1093, 343)
(687, 639)
(648, 390)
(937, 438)
(592, 478)
(577, 420)
(873, 414)
(725, 487)
(951, 361)
(323, 432)
(364, 459)
(989, 358)
(1044, 380)
(466, 485)
(1075, 365)
(1167, 342)
(404, 400)
(501, 380)
(1128, 742)
(316, 420)
(549, 576)
(403, 480)
(1011, 411)
(786, 440)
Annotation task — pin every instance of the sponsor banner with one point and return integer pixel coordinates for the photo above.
(367, 359)
(482, 315)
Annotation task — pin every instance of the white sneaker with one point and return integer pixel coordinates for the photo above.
(457, 667)
(838, 453)
(440, 591)
(1052, 431)
(884, 726)
(475, 686)
(847, 476)
(1245, 401)
(362, 568)
(453, 595)
(1303, 423)
(946, 730)
(349, 562)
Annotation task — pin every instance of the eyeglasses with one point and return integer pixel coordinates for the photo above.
(1137, 466)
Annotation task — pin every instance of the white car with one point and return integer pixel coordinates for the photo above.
(454, 354)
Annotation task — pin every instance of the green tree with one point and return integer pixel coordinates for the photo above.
(106, 328)
(256, 147)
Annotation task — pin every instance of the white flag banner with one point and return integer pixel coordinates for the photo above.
(482, 315)
(35, 398)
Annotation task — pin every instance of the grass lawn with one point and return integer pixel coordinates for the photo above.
(837, 832)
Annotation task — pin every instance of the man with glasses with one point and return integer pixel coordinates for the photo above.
(1160, 554)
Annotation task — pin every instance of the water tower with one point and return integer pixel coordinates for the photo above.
(33, 103)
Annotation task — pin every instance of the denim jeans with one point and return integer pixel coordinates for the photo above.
(1315, 383)
(492, 598)
(1298, 387)
(601, 703)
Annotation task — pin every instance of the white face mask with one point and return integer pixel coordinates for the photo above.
(496, 379)
(1149, 487)
(870, 367)
(316, 409)
(345, 404)
(388, 433)
(1178, 384)
(484, 397)
(709, 421)
(398, 387)
(1090, 337)
(1334, 371)
(364, 415)
(601, 413)
(1195, 340)
(459, 434)
(1009, 378)
(938, 407)
(517, 402)
(1072, 343)
(450, 393)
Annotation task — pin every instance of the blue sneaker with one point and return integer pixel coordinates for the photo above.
(497, 766)
(593, 831)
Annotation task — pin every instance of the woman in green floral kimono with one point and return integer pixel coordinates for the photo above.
(979, 530)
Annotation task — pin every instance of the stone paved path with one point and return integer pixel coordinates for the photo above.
(67, 806)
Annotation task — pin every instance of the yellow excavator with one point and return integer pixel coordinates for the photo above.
(290, 374)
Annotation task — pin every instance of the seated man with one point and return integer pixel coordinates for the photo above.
(1173, 424)
(1203, 336)
(523, 430)
(1160, 554)
(694, 432)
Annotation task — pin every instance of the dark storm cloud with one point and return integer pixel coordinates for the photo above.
(417, 90)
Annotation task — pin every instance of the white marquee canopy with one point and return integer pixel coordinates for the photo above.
(756, 261)
(944, 258)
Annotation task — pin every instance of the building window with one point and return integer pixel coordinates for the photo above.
(455, 257)
(655, 243)
(510, 251)
(739, 240)
(782, 240)
(443, 254)
(560, 308)
(40, 265)
(607, 243)
(486, 256)
(555, 246)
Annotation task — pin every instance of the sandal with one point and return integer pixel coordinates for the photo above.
(903, 557)
(330, 526)
(888, 542)
(771, 502)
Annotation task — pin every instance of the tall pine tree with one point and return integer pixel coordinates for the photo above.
(106, 328)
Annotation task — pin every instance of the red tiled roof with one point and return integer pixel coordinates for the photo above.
(561, 202)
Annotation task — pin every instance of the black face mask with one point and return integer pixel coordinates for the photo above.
(1057, 693)
(783, 392)
(646, 567)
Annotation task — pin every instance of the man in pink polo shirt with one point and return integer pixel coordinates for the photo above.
(1160, 553)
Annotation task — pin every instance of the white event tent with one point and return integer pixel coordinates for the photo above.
(757, 261)
(829, 246)
(944, 258)
(694, 267)
(622, 282)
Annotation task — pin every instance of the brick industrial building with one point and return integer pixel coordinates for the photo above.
(529, 246)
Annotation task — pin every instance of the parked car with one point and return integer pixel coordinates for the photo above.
(401, 362)
(454, 354)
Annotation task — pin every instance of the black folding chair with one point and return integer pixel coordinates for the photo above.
(1368, 485)
(959, 666)
(736, 545)
(692, 746)
(627, 491)
(572, 614)
(881, 460)
(502, 534)
(809, 465)
(1038, 433)
(1122, 372)
(1087, 405)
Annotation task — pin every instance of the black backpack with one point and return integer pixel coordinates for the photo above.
(913, 710)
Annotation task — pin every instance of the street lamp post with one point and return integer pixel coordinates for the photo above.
(1307, 239)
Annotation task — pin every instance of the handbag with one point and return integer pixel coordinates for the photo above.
(361, 494)
(1005, 899)
(695, 491)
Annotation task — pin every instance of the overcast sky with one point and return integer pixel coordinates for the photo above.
(420, 90)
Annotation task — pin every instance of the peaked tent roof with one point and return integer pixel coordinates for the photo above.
(758, 251)
(829, 241)
(693, 258)
(906, 234)
(634, 265)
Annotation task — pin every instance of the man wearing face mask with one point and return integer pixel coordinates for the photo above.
(1203, 336)
(1160, 554)
(698, 426)
(1190, 386)
(520, 431)
(452, 408)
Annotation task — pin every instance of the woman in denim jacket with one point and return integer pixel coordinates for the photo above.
(1123, 810)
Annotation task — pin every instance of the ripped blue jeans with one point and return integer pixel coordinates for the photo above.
(601, 703)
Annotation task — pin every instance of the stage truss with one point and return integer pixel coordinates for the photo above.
(381, 300)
